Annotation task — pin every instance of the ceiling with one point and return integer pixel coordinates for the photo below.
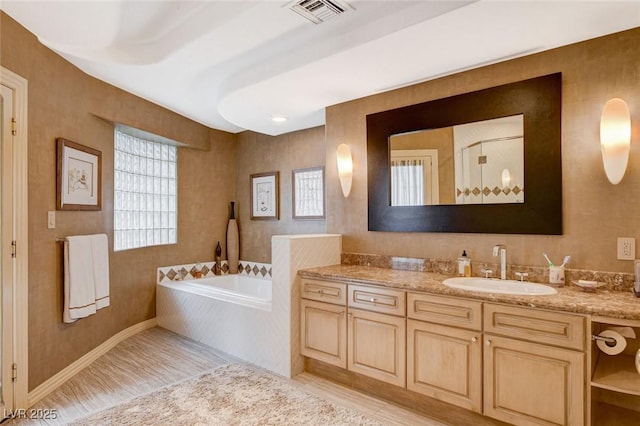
(234, 65)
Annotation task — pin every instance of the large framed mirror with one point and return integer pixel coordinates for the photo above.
(484, 162)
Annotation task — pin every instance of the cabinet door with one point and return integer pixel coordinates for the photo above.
(445, 363)
(532, 384)
(323, 332)
(377, 346)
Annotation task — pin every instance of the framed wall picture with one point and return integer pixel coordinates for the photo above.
(308, 193)
(264, 196)
(78, 176)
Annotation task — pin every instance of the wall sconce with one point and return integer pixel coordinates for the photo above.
(615, 138)
(506, 178)
(345, 168)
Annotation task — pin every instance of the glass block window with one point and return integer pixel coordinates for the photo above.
(145, 199)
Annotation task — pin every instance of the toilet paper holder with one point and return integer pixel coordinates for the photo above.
(607, 340)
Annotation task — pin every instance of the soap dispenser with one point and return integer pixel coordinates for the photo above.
(464, 265)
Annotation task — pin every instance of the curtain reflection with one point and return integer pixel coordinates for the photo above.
(407, 182)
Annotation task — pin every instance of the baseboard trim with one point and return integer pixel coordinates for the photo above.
(74, 368)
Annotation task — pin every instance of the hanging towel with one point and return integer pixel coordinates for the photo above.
(100, 253)
(86, 276)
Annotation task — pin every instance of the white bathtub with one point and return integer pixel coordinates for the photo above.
(238, 289)
(231, 313)
(260, 325)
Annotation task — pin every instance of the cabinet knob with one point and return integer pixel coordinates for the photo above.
(373, 300)
(488, 342)
(474, 339)
(321, 292)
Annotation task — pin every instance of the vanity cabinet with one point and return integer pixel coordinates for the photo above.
(530, 377)
(444, 349)
(323, 321)
(615, 381)
(517, 364)
(377, 333)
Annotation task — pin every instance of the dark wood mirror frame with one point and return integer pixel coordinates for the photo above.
(539, 99)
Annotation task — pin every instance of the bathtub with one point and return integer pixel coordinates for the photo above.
(250, 318)
(238, 289)
(230, 313)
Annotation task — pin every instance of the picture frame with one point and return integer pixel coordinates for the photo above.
(308, 193)
(265, 196)
(78, 176)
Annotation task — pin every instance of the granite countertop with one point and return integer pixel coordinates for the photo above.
(570, 298)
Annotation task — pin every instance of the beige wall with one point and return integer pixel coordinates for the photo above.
(594, 211)
(258, 153)
(62, 101)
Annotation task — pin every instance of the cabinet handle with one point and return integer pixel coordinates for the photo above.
(474, 339)
(488, 342)
(321, 292)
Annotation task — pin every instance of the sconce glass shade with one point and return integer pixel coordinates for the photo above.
(615, 138)
(345, 168)
(506, 178)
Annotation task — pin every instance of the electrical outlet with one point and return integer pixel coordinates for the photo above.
(626, 248)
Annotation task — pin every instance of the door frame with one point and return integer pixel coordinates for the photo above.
(19, 86)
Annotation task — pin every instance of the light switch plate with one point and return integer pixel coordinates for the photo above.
(51, 219)
(626, 248)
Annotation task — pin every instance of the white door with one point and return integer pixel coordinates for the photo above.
(6, 252)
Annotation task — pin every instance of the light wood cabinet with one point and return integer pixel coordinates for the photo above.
(324, 291)
(323, 321)
(445, 310)
(615, 381)
(516, 364)
(534, 366)
(553, 328)
(383, 300)
(324, 332)
(531, 384)
(445, 363)
(376, 346)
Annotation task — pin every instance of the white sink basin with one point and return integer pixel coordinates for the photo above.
(493, 285)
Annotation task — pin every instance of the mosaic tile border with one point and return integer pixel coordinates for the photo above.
(614, 281)
(207, 269)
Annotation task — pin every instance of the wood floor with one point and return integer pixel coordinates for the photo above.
(156, 358)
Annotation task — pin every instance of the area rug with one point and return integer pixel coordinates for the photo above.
(234, 394)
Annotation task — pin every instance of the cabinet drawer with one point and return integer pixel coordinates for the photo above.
(324, 291)
(384, 300)
(445, 310)
(546, 327)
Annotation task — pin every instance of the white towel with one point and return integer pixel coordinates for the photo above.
(100, 253)
(86, 276)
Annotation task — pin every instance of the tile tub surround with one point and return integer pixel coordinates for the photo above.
(606, 303)
(614, 281)
(205, 269)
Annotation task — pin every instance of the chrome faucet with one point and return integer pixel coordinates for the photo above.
(502, 251)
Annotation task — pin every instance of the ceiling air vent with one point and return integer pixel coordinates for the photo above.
(318, 11)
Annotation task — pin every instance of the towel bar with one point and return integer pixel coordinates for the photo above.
(60, 239)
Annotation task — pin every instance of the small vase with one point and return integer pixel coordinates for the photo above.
(217, 268)
(233, 242)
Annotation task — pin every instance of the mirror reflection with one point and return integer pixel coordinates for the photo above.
(473, 163)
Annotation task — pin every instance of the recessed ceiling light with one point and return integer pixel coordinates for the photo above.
(278, 118)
